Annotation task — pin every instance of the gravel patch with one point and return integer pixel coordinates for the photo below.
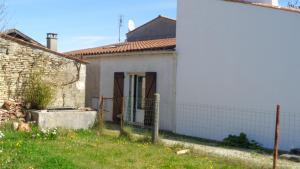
(263, 160)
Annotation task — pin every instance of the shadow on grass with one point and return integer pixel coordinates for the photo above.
(146, 132)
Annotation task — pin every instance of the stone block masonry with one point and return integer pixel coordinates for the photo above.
(19, 59)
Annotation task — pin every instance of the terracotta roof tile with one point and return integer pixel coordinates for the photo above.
(149, 45)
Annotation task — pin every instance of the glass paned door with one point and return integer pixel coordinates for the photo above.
(137, 85)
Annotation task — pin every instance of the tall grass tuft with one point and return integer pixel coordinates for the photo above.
(38, 92)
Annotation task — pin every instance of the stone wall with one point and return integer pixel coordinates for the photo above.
(18, 60)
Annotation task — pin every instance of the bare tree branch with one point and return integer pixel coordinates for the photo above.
(294, 4)
(3, 15)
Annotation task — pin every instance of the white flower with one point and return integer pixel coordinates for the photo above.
(1, 135)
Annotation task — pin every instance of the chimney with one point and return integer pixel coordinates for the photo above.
(52, 41)
(270, 2)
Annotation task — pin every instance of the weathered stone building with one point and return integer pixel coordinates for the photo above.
(19, 58)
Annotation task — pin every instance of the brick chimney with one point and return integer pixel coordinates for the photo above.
(52, 41)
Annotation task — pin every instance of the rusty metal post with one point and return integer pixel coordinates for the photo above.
(276, 142)
(155, 136)
(101, 114)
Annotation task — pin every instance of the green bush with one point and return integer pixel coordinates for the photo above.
(38, 93)
(241, 141)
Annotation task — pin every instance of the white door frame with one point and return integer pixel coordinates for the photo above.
(130, 83)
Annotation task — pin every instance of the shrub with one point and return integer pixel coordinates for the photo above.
(241, 141)
(38, 93)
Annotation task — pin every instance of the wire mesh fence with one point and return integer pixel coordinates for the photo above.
(129, 111)
(217, 122)
(139, 111)
(104, 110)
(208, 121)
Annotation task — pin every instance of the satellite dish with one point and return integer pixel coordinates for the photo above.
(131, 25)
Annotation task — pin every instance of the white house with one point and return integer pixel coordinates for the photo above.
(124, 72)
(135, 70)
(236, 61)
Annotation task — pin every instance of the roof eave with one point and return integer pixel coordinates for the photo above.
(167, 48)
(135, 53)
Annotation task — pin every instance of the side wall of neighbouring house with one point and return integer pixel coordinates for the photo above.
(159, 28)
(18, 61)
(164, 63)
(92, 84)
(237, 55)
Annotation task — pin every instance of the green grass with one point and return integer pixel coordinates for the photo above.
(176, 137)
(89, 150)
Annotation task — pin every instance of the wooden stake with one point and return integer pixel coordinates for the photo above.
(276, 142)
(101, 112)
(122, 116)
(155, 134)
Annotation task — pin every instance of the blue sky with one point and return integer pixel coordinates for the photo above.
(83, 23)
(284, 2)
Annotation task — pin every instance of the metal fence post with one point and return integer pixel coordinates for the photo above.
(276, 142)
(156, 118)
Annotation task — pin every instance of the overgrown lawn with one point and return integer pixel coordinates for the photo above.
(89, 150)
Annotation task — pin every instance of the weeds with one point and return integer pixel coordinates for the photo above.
(38, 93)
(1, 135)
(45, 134)
(127, 133)
(241, 141)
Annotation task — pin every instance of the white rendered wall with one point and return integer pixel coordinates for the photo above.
(237, 55)
(271, 2)
(92, 84)
(163, 64)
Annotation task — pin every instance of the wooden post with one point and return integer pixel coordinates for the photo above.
(276, 142)
(155, 133)
(122, 116)
(101, 112)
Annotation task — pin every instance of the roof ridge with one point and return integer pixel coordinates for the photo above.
(150, 40)
(93, 48)
(116, 44)
(22, 42)
(159, 16)
(162, 16)
(16, 31)
(144, 45)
